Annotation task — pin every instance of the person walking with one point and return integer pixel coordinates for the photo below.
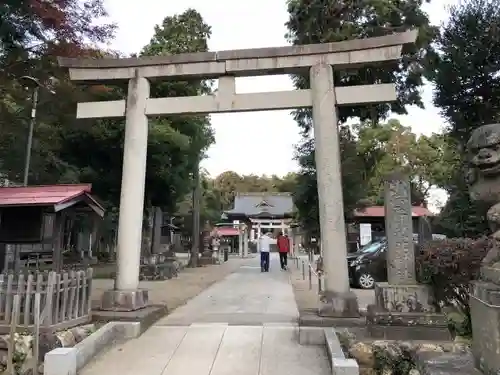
(283, 244)
(264, 248)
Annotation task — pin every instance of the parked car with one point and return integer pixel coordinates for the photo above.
(368, 265)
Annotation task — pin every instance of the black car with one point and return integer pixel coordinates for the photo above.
(368, 265)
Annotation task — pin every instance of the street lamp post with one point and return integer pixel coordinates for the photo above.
(29, 143)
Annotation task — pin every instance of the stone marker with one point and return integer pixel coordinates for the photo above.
(399, 230)
(401, 301)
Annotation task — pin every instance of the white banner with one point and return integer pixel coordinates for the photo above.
(365, 234)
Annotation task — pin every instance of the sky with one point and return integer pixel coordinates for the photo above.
(252, 142)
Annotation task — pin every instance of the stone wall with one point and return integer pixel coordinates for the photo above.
(23, 354)
(388, 357)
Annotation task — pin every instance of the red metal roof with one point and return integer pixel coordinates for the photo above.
(227, 231)
(42, 195)
(379, 211)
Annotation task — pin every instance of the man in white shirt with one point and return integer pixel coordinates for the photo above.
(264, 248)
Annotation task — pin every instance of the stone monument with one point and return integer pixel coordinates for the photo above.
(483, 176)
(424, 231)
(205, 245)
(401, 301)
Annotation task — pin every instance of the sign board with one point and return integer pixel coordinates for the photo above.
(365, 234)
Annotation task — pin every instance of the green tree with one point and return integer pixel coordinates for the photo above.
(188, 136)
(391, 146)
(464, 70)
(306, 193)
(320, 21)
(226, 185)
(286, 184)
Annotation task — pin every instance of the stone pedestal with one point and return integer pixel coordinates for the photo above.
(485, 315)
(405, 312)
(338, 305)
(124, 300)
(403, 298)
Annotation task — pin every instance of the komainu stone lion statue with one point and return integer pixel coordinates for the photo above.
(483, 176)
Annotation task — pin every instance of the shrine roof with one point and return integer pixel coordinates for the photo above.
(59, 196)
(379, 211)
(262, 204)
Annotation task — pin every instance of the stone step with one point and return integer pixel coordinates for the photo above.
(214, 349)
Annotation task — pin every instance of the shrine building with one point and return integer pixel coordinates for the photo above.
(262, 212)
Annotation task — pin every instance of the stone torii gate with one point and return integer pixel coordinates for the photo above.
(323, 97)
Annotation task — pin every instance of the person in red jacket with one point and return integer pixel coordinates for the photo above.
(283, 244)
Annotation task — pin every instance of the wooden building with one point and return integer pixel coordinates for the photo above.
(35, 223)
(369, 223)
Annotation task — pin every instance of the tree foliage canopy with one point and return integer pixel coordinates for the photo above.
(464, 69)
(32, 35)
(465, 65)
(370, 152)
(320, 21)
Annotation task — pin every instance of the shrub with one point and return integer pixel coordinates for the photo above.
(449, 266)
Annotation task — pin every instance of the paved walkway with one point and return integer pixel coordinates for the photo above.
(244, 324)
(180, 289)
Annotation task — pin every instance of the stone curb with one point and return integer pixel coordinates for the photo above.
(68, 361)
(340, 364)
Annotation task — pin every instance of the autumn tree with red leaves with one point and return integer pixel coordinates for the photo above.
(32, 34)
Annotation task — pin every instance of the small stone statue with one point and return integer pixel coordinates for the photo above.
(483, 176)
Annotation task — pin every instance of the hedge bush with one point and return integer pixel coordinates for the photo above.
(449, 266)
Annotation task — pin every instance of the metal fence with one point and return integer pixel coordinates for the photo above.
(308, 271)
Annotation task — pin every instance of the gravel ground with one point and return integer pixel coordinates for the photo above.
(177, 291)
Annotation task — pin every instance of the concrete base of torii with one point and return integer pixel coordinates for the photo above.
(124, 300)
